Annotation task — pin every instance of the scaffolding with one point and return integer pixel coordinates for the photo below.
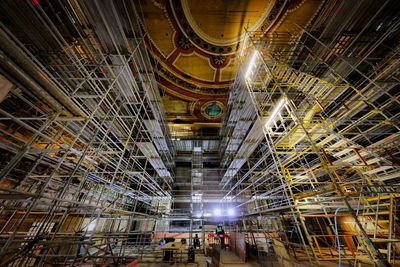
(323, 135)
(308, 154)
(90, 161)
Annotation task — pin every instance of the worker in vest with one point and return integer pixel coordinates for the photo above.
(221, 234)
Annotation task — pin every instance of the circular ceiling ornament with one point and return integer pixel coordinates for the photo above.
(184, 43)
(219, 61)
(212, 110)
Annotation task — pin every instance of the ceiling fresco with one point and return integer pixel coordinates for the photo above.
(193, 45)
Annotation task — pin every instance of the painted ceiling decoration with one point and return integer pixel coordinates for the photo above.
(212, 109)
(193, 45)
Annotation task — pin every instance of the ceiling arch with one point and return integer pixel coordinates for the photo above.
(193, 46)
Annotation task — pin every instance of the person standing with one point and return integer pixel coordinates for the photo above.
(221, 234)
(196, 241)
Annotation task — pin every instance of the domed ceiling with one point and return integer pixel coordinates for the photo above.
(194, 43)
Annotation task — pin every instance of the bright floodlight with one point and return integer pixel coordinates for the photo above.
(231, 212)
(251, 64)
(217, 212)
(277, 109)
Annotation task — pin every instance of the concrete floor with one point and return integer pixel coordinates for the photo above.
(229, 259)
(200, 261)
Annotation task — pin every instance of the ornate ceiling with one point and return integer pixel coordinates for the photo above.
(194, 43)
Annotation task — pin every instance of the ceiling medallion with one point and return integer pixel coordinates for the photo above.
(212, 110)
(219, 60)
(184, 43)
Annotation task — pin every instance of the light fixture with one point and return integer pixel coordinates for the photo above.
(217, 212)
(251, 64)
(198, 215)
(277, 109)
(207, 214)
(231, 212)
